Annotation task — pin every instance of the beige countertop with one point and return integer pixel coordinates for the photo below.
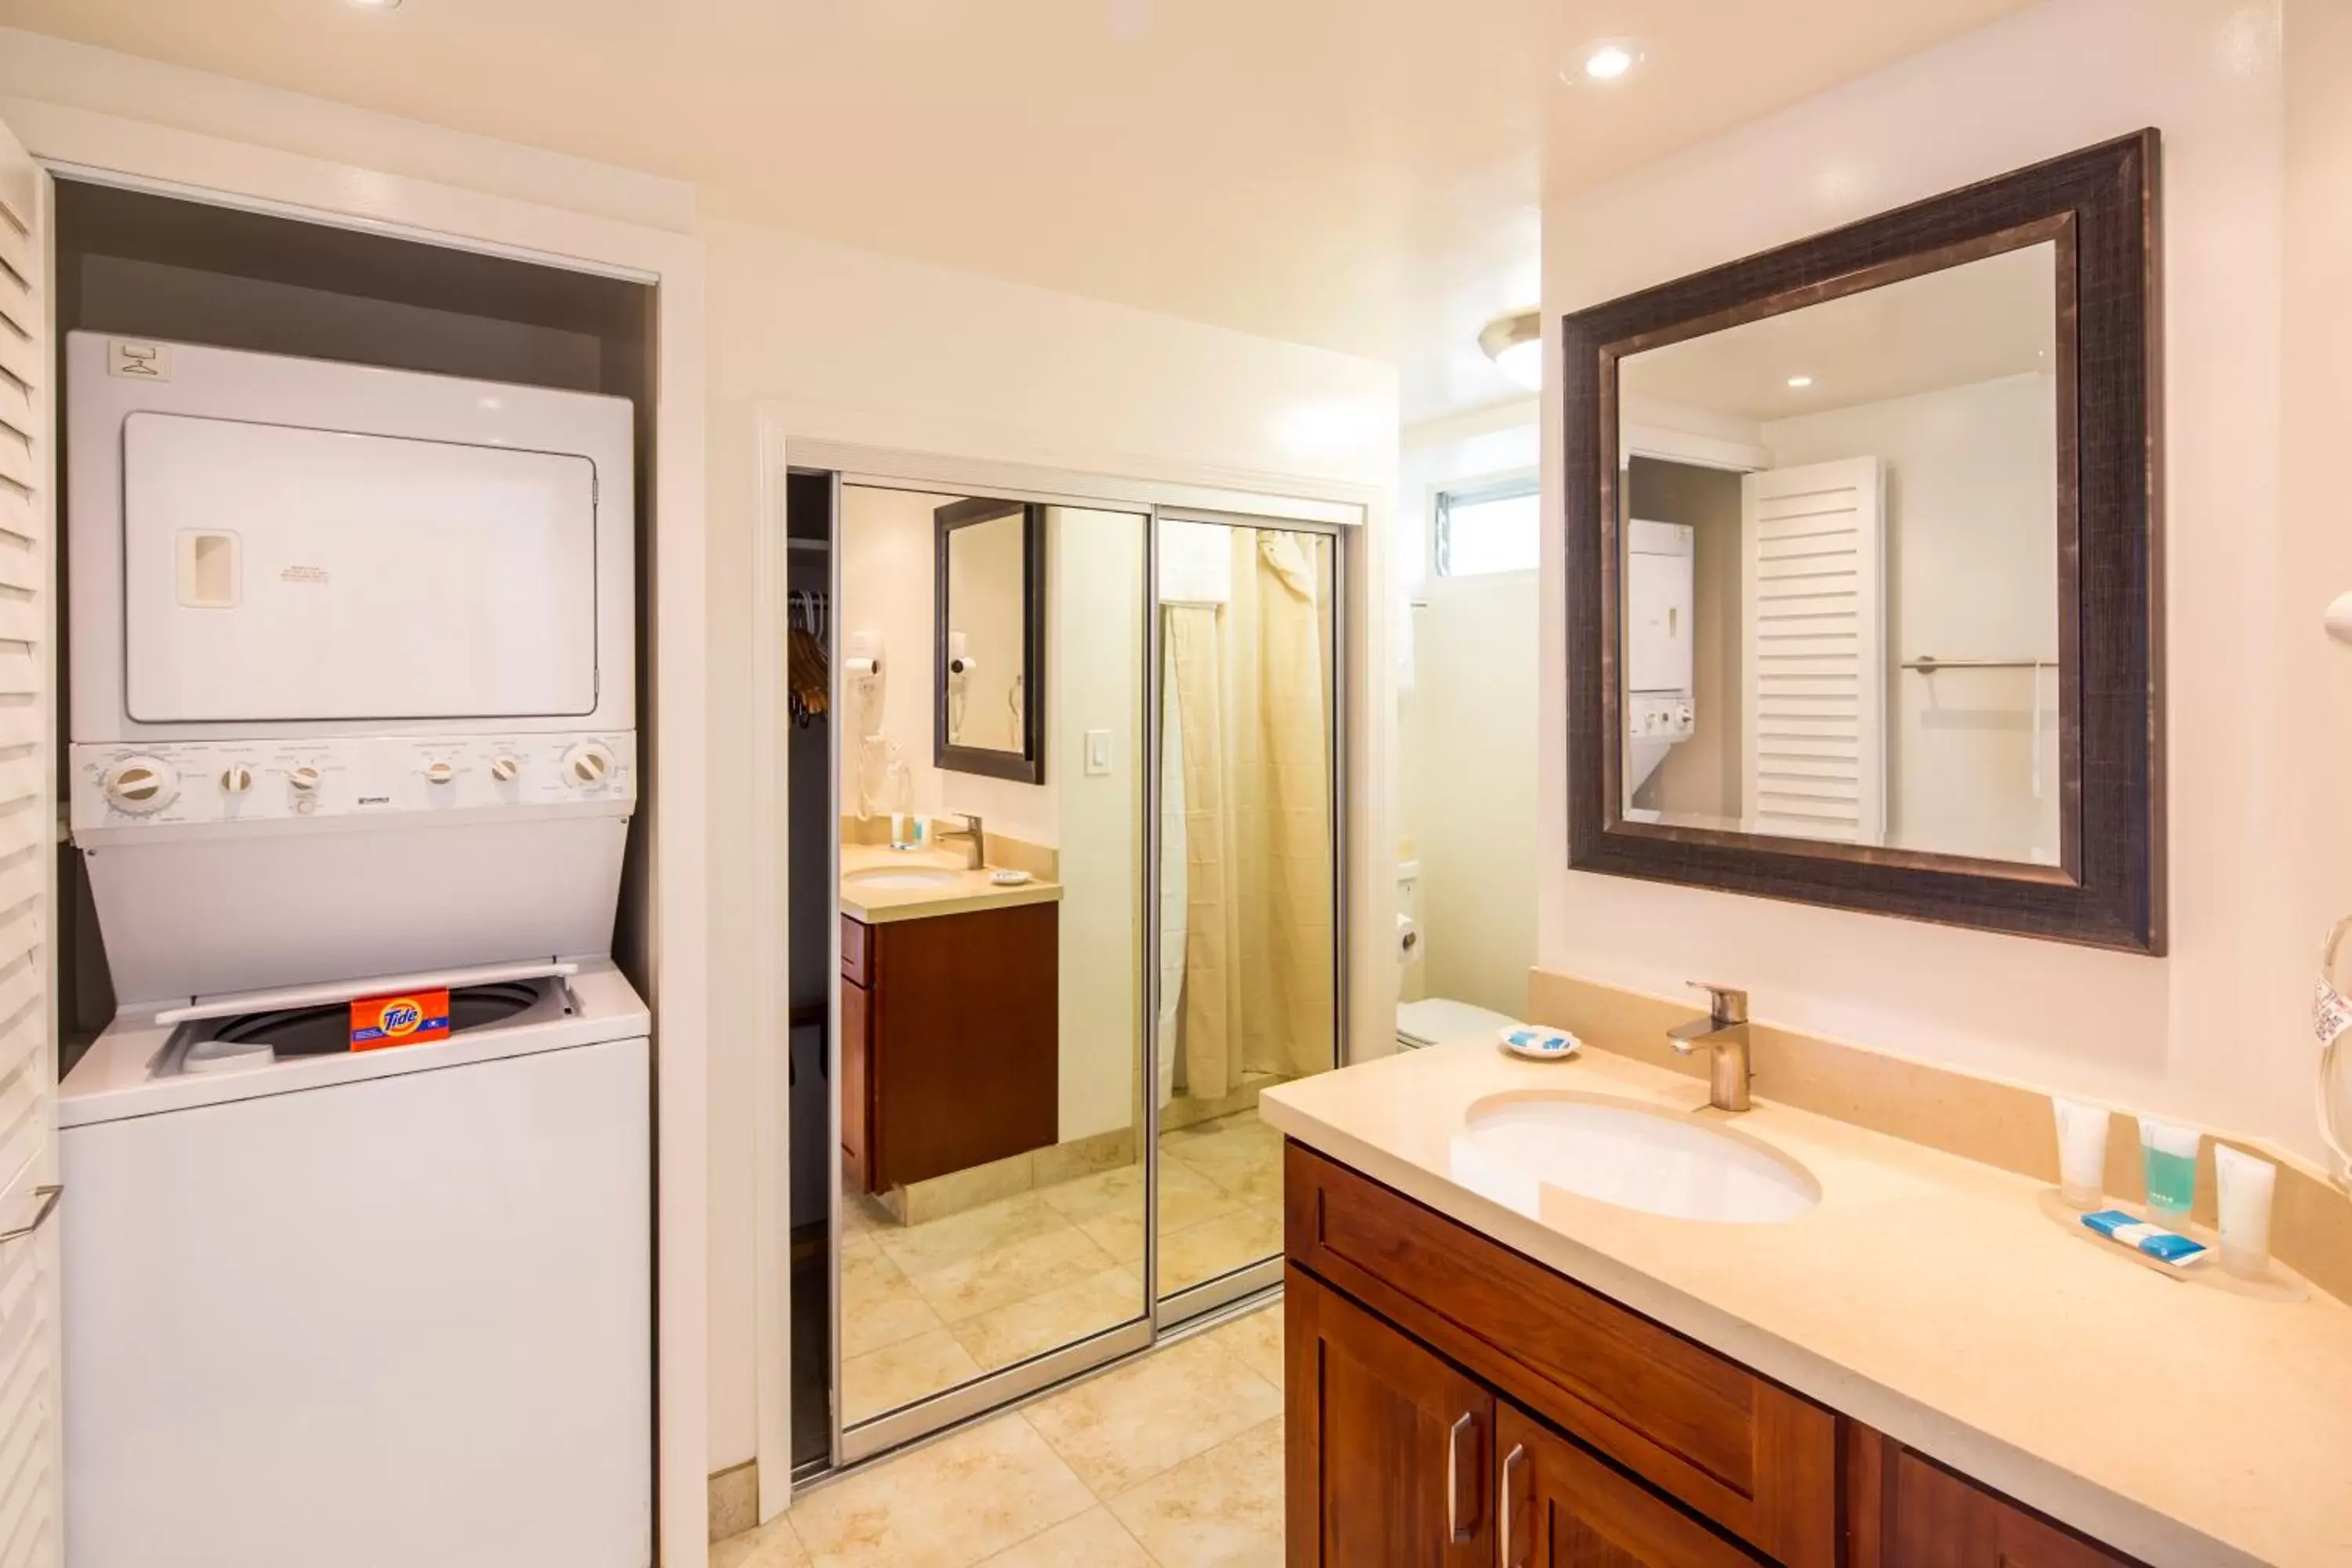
(966, 892)
(1927, 1296)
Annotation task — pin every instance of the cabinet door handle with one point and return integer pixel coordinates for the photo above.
(1509, 1489)
(1463, 1533)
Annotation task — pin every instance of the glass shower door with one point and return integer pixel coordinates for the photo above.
(1247, 861)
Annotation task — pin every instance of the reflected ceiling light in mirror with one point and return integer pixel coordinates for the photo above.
(1515, 343)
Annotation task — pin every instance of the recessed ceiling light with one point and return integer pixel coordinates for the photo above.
(374, 4)
(1801, 381)
(1603, 60)
(1515, 343)
(1608, 62)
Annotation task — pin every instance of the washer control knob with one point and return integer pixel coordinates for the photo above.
(506, 769)
(440, 772)
(304, 780)
(140, 786)
(236, 779)
(587, 765)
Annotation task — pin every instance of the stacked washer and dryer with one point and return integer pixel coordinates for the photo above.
(353, 673)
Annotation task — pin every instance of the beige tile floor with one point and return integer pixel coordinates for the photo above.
(928, 1306)
(1173, 1460)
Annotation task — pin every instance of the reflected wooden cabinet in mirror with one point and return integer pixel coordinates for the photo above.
(1862, 553)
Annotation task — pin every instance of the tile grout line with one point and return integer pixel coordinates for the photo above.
(1207, 1338)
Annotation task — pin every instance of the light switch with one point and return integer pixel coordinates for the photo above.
(1098, 752)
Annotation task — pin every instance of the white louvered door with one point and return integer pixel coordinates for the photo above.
(1814, 724)
(31, 1494)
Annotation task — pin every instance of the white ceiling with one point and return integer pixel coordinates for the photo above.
(1981, 322)
(1361, 174)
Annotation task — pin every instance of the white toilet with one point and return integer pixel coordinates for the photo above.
(1434, 1020)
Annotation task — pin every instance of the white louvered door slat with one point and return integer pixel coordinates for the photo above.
(31, 1454)
(1814, 664)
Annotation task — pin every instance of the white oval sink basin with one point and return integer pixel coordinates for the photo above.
(1635, 1158)
(888, 876)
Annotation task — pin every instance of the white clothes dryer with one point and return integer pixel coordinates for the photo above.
(353, 666)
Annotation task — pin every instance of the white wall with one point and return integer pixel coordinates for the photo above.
(1468, 730)
(1096, 650)
(852, 346)
(1466, 727)
(2260, 845)
(2308, 834)
(1972, 551)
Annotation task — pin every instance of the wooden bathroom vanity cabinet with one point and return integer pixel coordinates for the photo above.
(951, 1041)
(1453, 1404)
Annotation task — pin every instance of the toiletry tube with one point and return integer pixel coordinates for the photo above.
(2167, 1247)
(2167, 1151)
(2246, 1185)
(2082, 1151)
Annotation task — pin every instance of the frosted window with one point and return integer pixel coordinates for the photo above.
(1488, 531)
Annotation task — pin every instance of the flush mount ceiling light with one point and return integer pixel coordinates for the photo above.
(1603, 61)
(374, 4)
(1515, 343)
(1801, 381)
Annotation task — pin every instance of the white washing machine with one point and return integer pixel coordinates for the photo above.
(353, 664)
(382, 1309)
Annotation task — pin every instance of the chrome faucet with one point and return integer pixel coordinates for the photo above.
(1723, 1031)
(972, 830)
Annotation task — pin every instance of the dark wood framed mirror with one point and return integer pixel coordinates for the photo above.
(1863, 573)
(988, 714)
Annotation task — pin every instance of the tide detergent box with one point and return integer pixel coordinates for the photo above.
(405, 1019)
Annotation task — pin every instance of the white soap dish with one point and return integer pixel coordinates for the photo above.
(1539, 1045)
(1008, 879)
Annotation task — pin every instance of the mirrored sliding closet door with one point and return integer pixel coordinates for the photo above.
(1247, 859)
(994, 658)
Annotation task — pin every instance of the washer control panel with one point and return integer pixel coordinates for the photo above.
(1660, 716)
(204, 781)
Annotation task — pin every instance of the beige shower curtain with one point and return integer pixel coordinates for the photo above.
(1283, 796)
(1209, 1029)
(1252, 713)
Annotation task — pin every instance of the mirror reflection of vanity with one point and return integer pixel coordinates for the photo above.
(1861, 545)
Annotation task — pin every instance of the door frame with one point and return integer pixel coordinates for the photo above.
(862, 450)
(106, 149)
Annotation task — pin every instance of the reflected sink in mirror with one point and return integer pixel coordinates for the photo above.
(1629, 1156)
(902, 877)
